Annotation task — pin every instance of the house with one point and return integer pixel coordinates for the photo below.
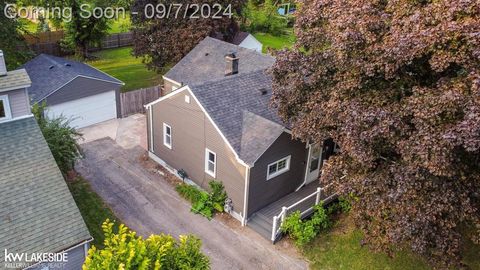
(206, 62)
(219, 125)
(74, 90)
(37, 213)
(248, 41)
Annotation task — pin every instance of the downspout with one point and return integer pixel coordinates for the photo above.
(245, 197)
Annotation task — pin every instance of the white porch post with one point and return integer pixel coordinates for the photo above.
(319, 193)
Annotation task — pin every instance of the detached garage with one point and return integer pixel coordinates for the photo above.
(73, 89)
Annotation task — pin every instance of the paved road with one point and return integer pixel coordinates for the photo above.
(148, 204)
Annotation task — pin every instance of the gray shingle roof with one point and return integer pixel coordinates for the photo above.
(236, 104)
(48, 73)
(239, 37)
(16, 79)
(206, 62)
(37, 211)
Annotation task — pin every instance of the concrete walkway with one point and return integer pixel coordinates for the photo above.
(149, 205)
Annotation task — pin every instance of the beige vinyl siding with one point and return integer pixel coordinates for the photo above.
(167, 86)
(192, 132)
(19, 102)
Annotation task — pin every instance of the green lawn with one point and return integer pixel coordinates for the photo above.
(120, 64)
(340, 248)
(93, 209)
(275, 42)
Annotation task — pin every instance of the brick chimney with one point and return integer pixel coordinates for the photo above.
(3, 67)
(231, 66)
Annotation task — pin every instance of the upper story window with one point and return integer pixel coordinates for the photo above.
(210, 162)
(5, 113)
(167, 135)
(278, 167)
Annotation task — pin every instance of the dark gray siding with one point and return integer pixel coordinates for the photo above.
(19, 102)
(83, 87)
(262, 191)
(76, 258)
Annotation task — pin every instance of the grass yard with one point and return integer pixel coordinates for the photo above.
(276, 42)
(340, 248)
(120, 64)
(94, 211)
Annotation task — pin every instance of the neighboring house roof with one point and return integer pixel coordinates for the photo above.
(239, 37)
(49, 73)
(16, 79)
(242, 113)
(206, 62)
(37, 213)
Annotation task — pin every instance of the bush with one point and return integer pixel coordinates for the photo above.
(304, 231)
(126, 250)
(204, 203)
(60, 137)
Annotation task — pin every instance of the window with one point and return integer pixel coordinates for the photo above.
(278, 167)
(210, 163)
(167, 135)
(187, 98)
(4, 108)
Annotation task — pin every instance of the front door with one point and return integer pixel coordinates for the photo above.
(313, 170)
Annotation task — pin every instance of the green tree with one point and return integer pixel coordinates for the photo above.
(397, 85)
(60, 137)
(12, 42)
(126, 250)
(263, 17)
(163, 41)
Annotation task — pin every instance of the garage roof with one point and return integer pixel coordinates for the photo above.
(49, 73)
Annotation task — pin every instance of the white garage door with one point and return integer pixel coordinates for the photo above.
(87, 111)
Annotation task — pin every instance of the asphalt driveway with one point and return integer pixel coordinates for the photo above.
(149, 205)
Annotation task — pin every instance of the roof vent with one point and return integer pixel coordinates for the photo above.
(263, 91)
(51, 67)
(3, 66)
(231, 66)
(68, 65)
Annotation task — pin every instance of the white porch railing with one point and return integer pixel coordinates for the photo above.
(280, 218)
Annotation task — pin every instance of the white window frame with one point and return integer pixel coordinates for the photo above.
(187, 99)
(278, 172)
(6, 107)
(165, 126)
(207, 160)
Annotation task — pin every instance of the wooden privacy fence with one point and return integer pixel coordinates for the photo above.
(49, 42)
(133, 102)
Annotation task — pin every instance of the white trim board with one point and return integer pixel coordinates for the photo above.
(172, 81)
(187, 88)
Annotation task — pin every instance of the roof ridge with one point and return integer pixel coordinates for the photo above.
(230, 77)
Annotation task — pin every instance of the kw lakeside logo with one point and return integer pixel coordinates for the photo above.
(14, 260)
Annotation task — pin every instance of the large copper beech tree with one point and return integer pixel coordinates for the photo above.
(166, 30)
(397, 85)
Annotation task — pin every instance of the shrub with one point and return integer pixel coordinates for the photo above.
(126, 250)
(60, 137)
(189, 192)
(303, 231)
(204, 203)
(263, 18)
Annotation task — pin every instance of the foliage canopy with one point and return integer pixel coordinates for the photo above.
(397, 85)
